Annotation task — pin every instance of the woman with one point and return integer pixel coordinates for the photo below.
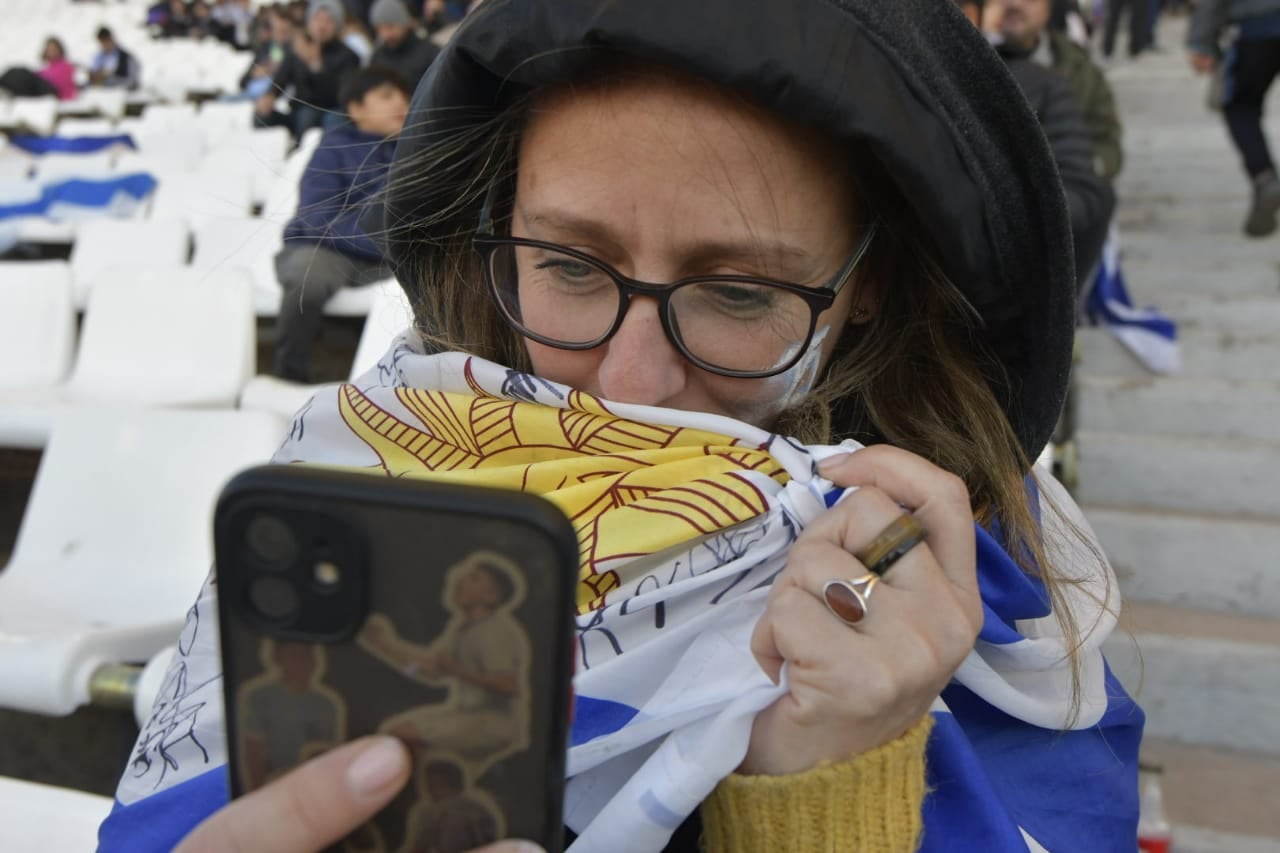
(57, 71)
(56, 77)
(808, 219)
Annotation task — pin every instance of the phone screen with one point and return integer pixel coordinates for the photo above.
(441, 616)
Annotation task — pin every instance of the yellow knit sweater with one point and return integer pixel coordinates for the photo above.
(870, 803)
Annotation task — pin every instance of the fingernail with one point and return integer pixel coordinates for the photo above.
(380, 764)
(521, 847)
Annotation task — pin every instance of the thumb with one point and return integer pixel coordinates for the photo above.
(310, 807)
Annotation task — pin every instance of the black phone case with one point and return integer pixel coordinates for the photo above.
(488, 759)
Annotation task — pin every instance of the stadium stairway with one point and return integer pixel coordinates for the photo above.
(1178, 475)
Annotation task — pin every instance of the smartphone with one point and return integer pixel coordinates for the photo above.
(353, 603)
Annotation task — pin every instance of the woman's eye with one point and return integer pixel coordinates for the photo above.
(569, 268)
(740, 298)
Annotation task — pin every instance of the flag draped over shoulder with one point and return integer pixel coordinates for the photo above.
(683, 521)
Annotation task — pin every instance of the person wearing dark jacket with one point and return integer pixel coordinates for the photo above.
(399, 46)
(270, 54)
(312, 71)
(1249, 66)
(618, 221)
(1026, 28)
(325, 248)
(1090, 198)
(113, 67)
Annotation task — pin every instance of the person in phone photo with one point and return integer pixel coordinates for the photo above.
(482, 656)
(450, 816)
(780, 314)
(292, 689)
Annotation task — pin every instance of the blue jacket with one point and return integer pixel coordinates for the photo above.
(346, 171)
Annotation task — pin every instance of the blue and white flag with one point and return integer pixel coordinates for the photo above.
(39, 145)
(667, 687)
(1149, 335)
(77, 199)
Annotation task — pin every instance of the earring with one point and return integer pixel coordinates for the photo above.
(858, 314)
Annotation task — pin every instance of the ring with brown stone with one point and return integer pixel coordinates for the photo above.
(847, 599)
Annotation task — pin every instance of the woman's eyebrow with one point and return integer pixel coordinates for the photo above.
(752, 250)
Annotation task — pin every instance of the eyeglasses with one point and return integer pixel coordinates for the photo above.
(739, 326)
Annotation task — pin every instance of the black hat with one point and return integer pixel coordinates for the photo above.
(912, 79)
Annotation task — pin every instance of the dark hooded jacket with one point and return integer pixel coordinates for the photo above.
(1090, 199)
(957, 137)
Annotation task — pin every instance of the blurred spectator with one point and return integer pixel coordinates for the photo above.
(1138, 12)
(176, 20)
(312, 72)
(1069, 19)
(1090, 199)
(1249, 67)
(231, 21)
(256, 82)
(1024, 32)
(399, 45)
(356, 37)
(441, 13)
(113, 67)
(325, 248)
(56, 76)
(202, 23)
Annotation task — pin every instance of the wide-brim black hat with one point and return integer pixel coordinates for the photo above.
(912, 79)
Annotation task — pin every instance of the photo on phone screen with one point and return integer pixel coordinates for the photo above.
(354, 604)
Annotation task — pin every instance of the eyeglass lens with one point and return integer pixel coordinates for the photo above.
(738, 326)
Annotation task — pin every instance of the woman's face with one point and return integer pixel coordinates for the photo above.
(52, 53)
(664, 179)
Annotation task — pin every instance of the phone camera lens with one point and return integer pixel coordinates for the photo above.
(326, 575)
(273, 598)
(271, 541)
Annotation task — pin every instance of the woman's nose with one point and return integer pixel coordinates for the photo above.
(640, 364)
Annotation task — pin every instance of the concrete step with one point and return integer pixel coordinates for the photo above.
(1206, 408)
(1222, 216)
(1232, 479)
(1187, 839)
(1205, 679)
(1211, 563)
(1203, 253)
(1244, 313)
(1206, 354)
(1241, 814)
(1151, 279)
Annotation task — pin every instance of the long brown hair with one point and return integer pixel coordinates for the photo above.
(917, 375)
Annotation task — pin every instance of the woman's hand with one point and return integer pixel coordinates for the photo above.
(854, 688)
(317, 804)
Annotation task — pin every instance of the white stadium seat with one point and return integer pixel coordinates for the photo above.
(86, 127)
(198, 351)
(85, 587)
(243, 243)
(65, 167)
(37, 323)
(198, 197)
(54, 820)
(35, 115)
(103, 243)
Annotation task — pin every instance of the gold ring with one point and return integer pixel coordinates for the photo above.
(847, 600)
(891, 544)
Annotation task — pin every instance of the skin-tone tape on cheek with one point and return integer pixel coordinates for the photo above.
(800, 378)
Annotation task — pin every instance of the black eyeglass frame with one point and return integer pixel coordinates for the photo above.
(819, 299)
